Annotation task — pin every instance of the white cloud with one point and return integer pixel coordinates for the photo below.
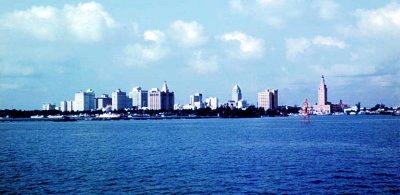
(297, 46)
(6, 86)
(85, 21)
(382, 22)
(248, 46)
(154, 35)
(270, 3)
(138, 54)
(187, 34)
(328, 9)
(329, 41)
(7, 69)
(204, 66)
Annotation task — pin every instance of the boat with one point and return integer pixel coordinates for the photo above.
(109, 116)
(37, 116)
(55, 116)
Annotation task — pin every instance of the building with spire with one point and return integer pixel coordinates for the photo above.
(323, 106)
(236, 93)
(167, 98)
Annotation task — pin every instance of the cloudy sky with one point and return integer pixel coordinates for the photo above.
(51, 49)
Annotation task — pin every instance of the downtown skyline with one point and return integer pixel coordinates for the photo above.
(49, 50)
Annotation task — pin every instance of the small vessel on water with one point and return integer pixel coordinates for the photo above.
(55, 116)
(37, 116)
(109, 116)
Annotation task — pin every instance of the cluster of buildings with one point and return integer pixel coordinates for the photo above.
(164, 99)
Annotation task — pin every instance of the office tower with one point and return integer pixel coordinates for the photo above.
(63, 106)
(323, 106)
(103, 101)
(167, 98)
(48, 106)
(212, 102)
(84, 101)
(118, 100)
(268, 99)
(154, 99)
(139, 97)
(70, 106)
(196, 101)
(236, 93)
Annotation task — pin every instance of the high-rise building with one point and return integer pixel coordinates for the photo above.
(322, 92)
(323, 106)
(48, 106)
(196, 100)
(236, 93)
(139, 97)
(103, 101)
(212, 102)
(70, 106)
(118, 100)
(154, 99)
(268, 99)
(84, 101)
(63, 106)
(167, 98)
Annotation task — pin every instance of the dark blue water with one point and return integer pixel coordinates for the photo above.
(334, 154)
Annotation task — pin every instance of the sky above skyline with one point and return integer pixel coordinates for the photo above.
(51, 49)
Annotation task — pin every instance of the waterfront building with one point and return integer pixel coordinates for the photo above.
(212, 102)
(63, 106)
(196, 100)
(241, 104)
(70, 106)
(323, 106)
(84, 101)
(118, 99)
(236, 93)
(154, 99)
(139, 97)
(167, 98)
(48, 106)
(268, 99)
(103, 101)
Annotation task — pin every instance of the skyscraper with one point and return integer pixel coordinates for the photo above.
(167, 98)
(63, 106)
(212, 102)
(236, 93)
(322, 92)
(139, 97)
(84, 101)
(268, 99)
(103, 101)
(323, 106)
(118, 100)
(196, 100)
(154, 99)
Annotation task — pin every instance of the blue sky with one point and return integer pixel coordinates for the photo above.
(51, 49)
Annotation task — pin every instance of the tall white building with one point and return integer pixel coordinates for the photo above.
(63, 106)
(154, 99)
(196, 100)
(84, 101)
(139, 97)
(212, 102)
(268, 99)
(236, 93)
(118, 100)
(323, 106)
(70, 106)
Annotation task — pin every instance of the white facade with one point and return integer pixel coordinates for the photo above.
(118, 100)
(196, 100)
(154, 99)
(323, 106)
(139, 97)
(236, 93)
(268, 99)
(70, 106)
(212, 102)
(103, 101)
(84, 101)
(48, 106)
(241, 104)
(63, 106)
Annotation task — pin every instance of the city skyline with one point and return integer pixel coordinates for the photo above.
(49, 50)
